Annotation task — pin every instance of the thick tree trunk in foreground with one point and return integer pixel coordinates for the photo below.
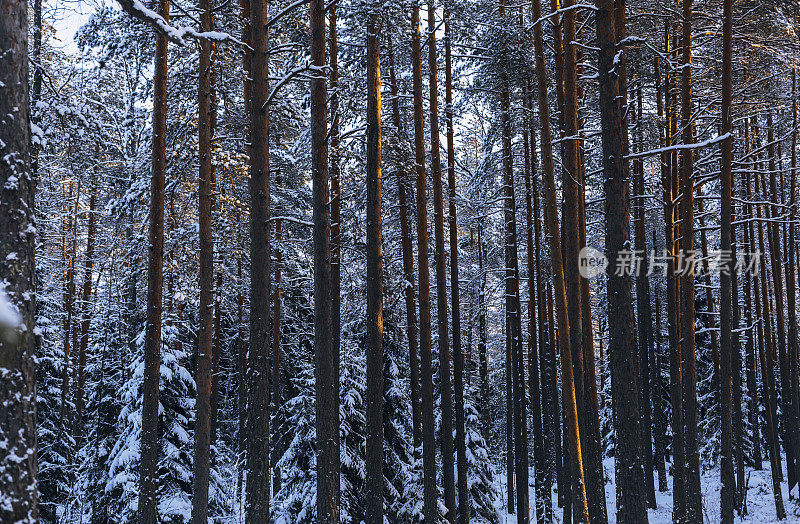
(374, 397)
(257, 431)
(148, 480)
(326, 357)
(631, 503)
(728, 491)
(551, 221)
(17, 345)
(430, 508)
(203, 379)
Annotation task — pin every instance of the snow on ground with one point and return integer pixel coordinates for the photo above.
(760, 501)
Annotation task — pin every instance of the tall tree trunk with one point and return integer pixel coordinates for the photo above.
(430, 506)
(728, 492)
(458, 354)
(374, 350)
(448, 474)
(545, 467)
(694, 503)
(86, 316)
(17, 339)
(645, 315)
(791, 297)
(543, 496)
(484, 372)
(403, 186)
(148, 480)
(751, 343)
(69, 297)
(326, 357)
(203, 379)
(257, 432)
(631, 503)
(512, 303)
(774, 239)
(276, 323)
(336, 193)
(659, 415)
(767, 357)
(551, 221)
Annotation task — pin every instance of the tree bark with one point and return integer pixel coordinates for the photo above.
(18, 343)
(374, 350)
(326, 357)
(430, 508)
(403, 186)
(448, 474)
(622, 345)
(203, 378)
(86, 316)
(728, 492)
(694, 505)
(644, 315)
(455, 300)
(257, 432)
(148, 480)
(551, 221)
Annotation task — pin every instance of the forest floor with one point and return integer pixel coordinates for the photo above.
(760, 501)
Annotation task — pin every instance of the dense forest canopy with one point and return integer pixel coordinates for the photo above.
(391, 261)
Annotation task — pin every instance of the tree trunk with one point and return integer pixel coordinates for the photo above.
(543, 496)
(448, 475)
(791, 297)
(551, 221)
(430, 507)
(694, 505)
(148, 480)
(484, 372)
(374, 350)
(69, 297)
(257, 432)
(203, 378)
(659, 415)
(545, 468)
(86, 316)
(776, 259)
(631, 503)
(645, 315)
(767, 357)
(326, 357)
(18, 342)
(728, 492)
(458, 354)
(336, 194)
(403, 185)
(751, 343)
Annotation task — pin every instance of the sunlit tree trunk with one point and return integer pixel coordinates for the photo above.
(374, 350)
(551, 221)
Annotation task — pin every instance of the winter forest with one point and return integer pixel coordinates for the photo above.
(393, 261)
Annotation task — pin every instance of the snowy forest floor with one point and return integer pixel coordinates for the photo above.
(759, 499)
